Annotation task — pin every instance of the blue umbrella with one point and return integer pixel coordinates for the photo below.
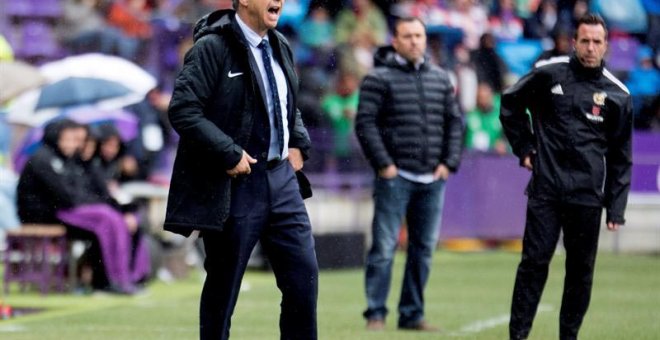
(78, 90)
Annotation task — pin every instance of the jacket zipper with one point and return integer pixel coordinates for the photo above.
(422, 106)
(602, 188)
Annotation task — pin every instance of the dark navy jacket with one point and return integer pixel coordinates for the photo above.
(217, 96)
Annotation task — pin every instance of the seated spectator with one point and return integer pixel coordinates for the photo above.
(52, 189)
(561, 45)
(43, 187)
(93, 189)
(654, 123)
(466, 79)
(505, 24)
(483, 130)
(652, 8)
(153, 137)
(83, 28)
(644, 85)
(116, 165)
(189, 11)
(359, 30)
(317, 29)
(132, 18)
(431, 12)
(570, 11)
(544, 21)
(472, 18)
(340, 106)
(363, 21)
(490, 67)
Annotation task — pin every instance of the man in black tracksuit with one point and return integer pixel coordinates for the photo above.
(578, 148)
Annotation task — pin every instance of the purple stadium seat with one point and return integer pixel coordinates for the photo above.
(47, 8)
(622, 53)
(18, 8)
(37, 40)
(36, 255)
(33, 8)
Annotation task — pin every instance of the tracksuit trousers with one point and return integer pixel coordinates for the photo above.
(545, 220)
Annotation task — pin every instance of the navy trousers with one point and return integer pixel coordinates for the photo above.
(545, 220)
(266, 206)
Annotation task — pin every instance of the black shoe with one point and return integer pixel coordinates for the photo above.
(421, 326)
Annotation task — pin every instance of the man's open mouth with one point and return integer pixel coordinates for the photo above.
(274, 10)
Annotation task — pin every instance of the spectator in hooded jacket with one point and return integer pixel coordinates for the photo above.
(50, 191)
(92, 187)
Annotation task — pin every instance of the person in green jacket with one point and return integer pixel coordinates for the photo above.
(339, 107)
(484, 130)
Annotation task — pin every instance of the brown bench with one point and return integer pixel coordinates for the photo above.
(36, 254)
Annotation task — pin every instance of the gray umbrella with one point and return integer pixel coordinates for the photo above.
(17, 77)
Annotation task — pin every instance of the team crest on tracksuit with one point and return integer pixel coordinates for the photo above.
(599, 102)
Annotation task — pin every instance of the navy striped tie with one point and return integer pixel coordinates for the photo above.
(274, 95)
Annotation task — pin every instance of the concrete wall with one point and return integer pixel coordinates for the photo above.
(641, 234)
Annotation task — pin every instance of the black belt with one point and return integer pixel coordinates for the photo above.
(273, 163)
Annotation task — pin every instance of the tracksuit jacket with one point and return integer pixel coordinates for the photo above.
(580, 133)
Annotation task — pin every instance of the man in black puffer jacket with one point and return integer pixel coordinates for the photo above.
(410, 129)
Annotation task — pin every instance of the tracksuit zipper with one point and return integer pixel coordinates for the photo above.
(602, 187)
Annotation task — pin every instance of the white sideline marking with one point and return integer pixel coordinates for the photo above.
(481, 325)
(12, 329)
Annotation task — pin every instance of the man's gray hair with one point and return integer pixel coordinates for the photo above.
(234, 3)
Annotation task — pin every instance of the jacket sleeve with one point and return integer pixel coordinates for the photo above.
(619, 164)
(193, 91)
(453, 131)
(300, 137)
(513, 115)
(372, 97)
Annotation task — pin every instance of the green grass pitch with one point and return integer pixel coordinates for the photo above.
(468, 295)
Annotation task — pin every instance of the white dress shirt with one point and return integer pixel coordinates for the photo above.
(254, 40)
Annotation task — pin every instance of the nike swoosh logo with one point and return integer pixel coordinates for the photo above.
(232, 75)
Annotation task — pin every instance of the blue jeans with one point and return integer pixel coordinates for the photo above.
(421, 204)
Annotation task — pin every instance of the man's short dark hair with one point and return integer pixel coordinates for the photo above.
(590, 19)
(234, 4)
(401, 20)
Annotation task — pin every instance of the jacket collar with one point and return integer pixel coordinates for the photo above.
(386, 56)
(251, 37)
(587, 72)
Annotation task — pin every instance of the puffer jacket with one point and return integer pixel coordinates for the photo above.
(408, 117)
